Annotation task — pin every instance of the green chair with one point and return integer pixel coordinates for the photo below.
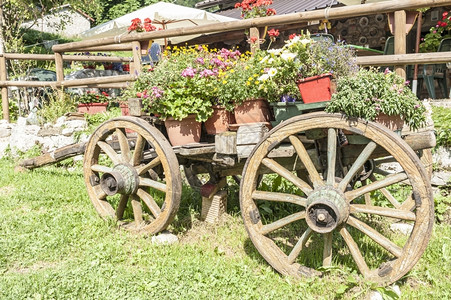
(437, 72)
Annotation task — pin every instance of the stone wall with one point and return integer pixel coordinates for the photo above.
(21, 137)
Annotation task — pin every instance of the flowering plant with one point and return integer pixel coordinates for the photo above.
(138, 26)
(369, 93)
(184, 82)
(255, 8)
(93, 97)
(441, 30)
(302, 57)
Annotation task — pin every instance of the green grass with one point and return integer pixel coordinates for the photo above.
(55, 246)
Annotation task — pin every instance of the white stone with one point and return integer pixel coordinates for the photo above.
(76, 125)
(396, 289)
(165, 238)
(375, 295)
(403, 228)
(4, 143)
(23, 138)
(442, 156)
(60, 121)
(52, 143)
(5, 132)
(21, 121)
(441, 178)
(67, 131)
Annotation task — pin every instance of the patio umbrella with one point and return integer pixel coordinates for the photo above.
(163, 15)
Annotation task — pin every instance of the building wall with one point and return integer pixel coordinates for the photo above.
(66, 22)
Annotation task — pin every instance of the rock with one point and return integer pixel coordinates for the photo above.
(75, 125)
(375, 295)
(165, 238)
(21, 121)
(23, 138)
(441, 178)
(49, 131)
(5, 132)
(50, 143)
(403, 228)
(4, 143)
(442, 156)
(60, 121)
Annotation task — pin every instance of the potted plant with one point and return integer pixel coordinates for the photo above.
(376, 96)
(92, 102)
(181, 88)
(142, 26)
(238, 90)
(441, 30)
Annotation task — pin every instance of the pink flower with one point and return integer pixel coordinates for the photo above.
(189, 72)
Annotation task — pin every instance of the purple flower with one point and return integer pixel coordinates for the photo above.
(189, 72)
(387, 70)
(206, 73)
(200, 60)
(417, 106)
(157, 92)
(287, 98)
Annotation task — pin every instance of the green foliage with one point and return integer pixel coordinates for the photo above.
(442, 124)
(442, 202)
(13, 109)
(93, 97)
(302, 57)
(55, 107)
(370, 92)
(95, 120)
(436, 33)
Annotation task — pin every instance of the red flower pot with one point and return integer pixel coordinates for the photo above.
(183, 132)
(92, 108)
(316, 88)
(124, 109)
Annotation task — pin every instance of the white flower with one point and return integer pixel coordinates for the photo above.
(271, 60)
(288, 56)
(275, 51)
(264, 77)
(305, 41)
(272, 72)
(264, 59)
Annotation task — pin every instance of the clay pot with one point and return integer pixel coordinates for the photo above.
(92, 108)
(253, 111)
(394, 123)
(219, 120)
(183, 132)
(124, 109)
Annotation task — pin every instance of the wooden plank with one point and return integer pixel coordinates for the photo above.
(225, 142)
(400, 39)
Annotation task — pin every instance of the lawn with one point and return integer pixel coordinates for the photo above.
(55, 246)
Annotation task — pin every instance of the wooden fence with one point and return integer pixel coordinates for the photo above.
(132, 42)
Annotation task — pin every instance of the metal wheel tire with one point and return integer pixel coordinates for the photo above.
(325, 221)
(132, 174)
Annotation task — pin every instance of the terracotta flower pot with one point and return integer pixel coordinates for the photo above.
(92, 108)
(316, 88)
(124, 109)
(253, 111)
(183, 132)
(394, 123)
(219, 121)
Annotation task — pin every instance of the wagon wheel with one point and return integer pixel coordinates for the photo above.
(132, 174)
(327, 222)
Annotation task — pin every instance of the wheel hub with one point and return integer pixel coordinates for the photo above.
(327, 208)
(123, 179)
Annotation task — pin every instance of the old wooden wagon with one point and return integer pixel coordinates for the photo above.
(307, 201)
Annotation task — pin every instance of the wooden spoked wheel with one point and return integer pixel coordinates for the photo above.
(328, 213)
(132, 174)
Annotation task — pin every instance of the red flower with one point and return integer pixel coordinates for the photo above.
(273, 32)
(253, 39)
(292, 36)
(270, 12)
(444, 15)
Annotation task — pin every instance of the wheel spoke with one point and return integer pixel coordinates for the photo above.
(100, 168)
(149, 201)
(100, 194)
(279, 197)
(137, 210)
(363, 157)
(367, 195)
(327, 252)
(152, 164)
(376, 236)
(387, 194)
(409, 204)
(121, 206)
(276, 167)
(387, 181)
(307, 161)
(381, 172)
(139, 148)
(355, 252)
(282, 222)
(299, 245)
(123, 144)
(152, 183)
(331, 156)
(110, 152)
(383, 211)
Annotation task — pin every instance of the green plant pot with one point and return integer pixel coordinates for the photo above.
(286, 110)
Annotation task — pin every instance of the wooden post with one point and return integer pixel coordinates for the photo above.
(3, 71)
(400, 39)
(59, 68)
(135, 68)
(254, 34)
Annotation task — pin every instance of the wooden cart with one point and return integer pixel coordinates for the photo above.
(337, 205)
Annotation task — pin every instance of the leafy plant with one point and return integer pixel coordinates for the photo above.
(441, 30)
(442, 125)
(370, 93)
(93, 97)
(302, 57)
(55, 107)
